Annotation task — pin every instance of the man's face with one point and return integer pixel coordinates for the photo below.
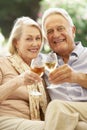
(60, 34)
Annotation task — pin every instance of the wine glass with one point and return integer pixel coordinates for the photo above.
(50, 64)
(37, 66)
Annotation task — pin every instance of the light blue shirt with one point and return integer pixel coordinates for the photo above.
(72, 91)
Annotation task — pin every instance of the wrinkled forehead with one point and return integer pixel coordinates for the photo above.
(60, 11)
(54, 16)
(55, 20)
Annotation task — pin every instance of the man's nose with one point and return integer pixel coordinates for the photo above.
(56, 33)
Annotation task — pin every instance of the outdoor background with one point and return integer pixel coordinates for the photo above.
(12, 9)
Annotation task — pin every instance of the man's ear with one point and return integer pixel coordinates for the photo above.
(74, 31)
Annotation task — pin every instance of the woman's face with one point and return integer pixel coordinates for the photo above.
(28, 46)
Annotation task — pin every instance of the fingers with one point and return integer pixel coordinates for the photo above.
(29, 78)
(58, 72)
(33, 76)
(61, 75)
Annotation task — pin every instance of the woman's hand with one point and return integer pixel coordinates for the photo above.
(29, 77)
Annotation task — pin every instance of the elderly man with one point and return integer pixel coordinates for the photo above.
(70, 76)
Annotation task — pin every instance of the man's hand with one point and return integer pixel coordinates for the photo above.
(63, 74)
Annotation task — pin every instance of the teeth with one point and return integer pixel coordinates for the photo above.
(33, 50)
(57, 41)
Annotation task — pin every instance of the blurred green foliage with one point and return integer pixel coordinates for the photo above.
(77, 10)
(11, 9)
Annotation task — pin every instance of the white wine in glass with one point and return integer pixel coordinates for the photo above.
(51, 64)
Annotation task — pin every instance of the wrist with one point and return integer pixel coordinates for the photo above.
(82, 79)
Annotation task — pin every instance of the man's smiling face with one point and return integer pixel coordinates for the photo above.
(60, 34)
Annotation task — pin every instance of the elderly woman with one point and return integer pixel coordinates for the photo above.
(20, 110)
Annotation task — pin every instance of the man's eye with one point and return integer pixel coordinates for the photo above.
(60, 29)
(49, 31)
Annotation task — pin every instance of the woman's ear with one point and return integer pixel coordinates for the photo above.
(15, 43)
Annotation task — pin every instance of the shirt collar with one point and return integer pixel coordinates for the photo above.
(78, 49)
(75, 54)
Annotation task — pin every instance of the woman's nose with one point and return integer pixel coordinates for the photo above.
(34, 42)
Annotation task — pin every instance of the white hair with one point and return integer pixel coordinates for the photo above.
(60, 11)
(17, 31)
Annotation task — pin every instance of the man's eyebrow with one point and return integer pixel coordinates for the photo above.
(31, 35)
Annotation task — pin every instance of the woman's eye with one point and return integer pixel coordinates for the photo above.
(38, 38)
(29, 39)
